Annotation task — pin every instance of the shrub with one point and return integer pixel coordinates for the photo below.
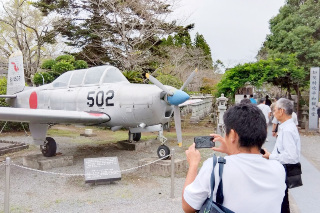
(66, 58)
(62, 67)
(170, 80)
(47, 64)
(80, 64)
(47, 77)
(10, 126)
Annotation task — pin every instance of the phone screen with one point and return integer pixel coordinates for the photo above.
(204, 142)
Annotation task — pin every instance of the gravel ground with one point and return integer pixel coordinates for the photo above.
(136, 192)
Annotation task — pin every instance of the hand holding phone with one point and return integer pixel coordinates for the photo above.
(204, 142)
(262, 151)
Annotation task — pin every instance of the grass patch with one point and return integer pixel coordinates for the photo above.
(62, 133)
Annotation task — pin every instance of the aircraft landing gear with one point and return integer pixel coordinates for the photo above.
(162, 151)
(134, 136)
(49, 147)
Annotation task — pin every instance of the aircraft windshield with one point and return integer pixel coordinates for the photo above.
(94, 74)
(114, 75)
(77, 77)
(62, 80)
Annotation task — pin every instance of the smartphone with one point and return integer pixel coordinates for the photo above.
(262, 151)
(204, 142)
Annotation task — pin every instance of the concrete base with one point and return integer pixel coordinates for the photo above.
(43, 163)
(88, 135)
(137, 146)
(162, 167)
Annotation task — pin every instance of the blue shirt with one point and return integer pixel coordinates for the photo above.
(253, 101)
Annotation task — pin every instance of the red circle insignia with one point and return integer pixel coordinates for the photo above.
(33, 100)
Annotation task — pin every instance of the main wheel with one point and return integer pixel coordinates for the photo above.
(49, 148)
(137, 136)
(163, 151)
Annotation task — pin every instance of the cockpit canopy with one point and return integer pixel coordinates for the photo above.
(90, 77)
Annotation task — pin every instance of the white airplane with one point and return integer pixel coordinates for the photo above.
(99, 96)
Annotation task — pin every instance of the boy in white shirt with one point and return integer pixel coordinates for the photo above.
(250, 183)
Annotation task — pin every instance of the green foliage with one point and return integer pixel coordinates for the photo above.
(295, 30)
(282, 70)
(48, 64)
(10, 126)
(65, 58)
(80, 64)
(62, 67)
(201, 43)
(47, 77)
(3, 90)
(170, 80)
(133, 76)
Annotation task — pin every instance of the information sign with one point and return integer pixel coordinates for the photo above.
(101, 169)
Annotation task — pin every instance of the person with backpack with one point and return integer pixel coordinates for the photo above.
(243, 181)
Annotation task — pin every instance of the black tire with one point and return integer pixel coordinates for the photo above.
(49, 149)
(162, 151)
(137, 136)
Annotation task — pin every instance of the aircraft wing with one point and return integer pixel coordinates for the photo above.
(44, 116)
(192, 101)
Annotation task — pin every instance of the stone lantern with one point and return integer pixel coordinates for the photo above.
(304, 113)
(221, 110)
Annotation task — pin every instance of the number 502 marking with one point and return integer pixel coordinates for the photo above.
(100, 98)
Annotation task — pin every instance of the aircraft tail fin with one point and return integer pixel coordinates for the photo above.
(15, 80)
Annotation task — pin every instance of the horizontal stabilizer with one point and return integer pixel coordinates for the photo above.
(8, 96)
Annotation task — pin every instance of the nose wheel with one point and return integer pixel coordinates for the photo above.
(163, 151)
(49, 147)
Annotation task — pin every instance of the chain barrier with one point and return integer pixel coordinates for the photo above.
(3, 126)
(25, 130)
(73, 175)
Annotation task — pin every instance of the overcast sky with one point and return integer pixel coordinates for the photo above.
(234, 29)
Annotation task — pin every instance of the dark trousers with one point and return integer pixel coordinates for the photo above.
(285, 203)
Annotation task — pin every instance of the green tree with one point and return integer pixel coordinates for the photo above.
(280, 71)
(119, 32)
(22, 27)
(296, 30)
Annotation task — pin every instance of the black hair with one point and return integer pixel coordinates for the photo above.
(251, 96)
(245, 101)
(248, 121)
(267, 97)
(245, 96)
(262, 100)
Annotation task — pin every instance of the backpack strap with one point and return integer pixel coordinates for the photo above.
(212, 174)
(220, 197)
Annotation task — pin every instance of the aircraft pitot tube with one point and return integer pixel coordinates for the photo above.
(175, 98)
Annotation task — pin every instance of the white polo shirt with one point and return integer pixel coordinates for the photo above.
(288, 144)
(265, 110)
(251, 184)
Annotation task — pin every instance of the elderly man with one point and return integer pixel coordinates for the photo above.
(250, 183)
(287, 148)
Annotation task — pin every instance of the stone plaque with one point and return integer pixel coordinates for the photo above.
(314, 98)
(101, 169)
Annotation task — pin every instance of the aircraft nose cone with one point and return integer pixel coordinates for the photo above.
(178, 97)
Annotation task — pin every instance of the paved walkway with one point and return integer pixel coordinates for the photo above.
(306, 197)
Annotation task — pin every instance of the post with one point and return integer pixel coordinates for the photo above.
(172, 173)
(7, 187)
